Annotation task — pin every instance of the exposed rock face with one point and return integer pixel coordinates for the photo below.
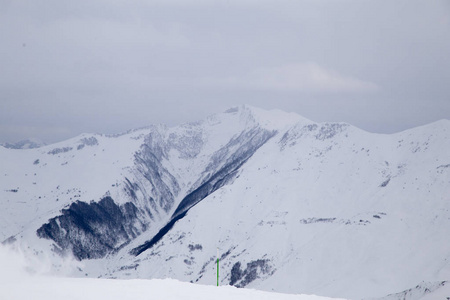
(230, 161)
(93, 230)
(96, 229)
(254, 270)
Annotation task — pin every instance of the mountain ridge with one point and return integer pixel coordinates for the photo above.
(293, 205)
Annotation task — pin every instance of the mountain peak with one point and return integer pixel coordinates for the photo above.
(269, 119)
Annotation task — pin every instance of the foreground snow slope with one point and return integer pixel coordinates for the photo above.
(24, 277)
(161, 289)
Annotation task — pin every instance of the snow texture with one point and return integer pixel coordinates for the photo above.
(20, 281)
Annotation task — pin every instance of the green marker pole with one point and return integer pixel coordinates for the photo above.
(217, 266)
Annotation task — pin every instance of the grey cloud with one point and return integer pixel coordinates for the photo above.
(107, 66)
(301, 77)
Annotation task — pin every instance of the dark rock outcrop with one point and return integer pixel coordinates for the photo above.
(255, 269)
(92, 230)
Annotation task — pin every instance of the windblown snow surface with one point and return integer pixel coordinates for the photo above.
(292, 206)
(25, 279)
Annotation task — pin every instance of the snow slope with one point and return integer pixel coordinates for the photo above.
(293, 206)
(23, 278)
(424, 290)
(137, 179)
(166, 289)
(325, 209)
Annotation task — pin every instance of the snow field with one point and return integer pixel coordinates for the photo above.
(23, 277)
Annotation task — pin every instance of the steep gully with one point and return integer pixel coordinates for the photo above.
(93, 230)
(226, 174)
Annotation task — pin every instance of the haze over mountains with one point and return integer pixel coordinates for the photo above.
(292, 205)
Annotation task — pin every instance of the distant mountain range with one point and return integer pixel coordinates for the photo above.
(24, 144)
(291, 205)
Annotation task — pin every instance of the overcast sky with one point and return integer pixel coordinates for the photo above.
(106, 66)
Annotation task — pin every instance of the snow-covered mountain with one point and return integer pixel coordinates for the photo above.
(292, 205)
(24, 144)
